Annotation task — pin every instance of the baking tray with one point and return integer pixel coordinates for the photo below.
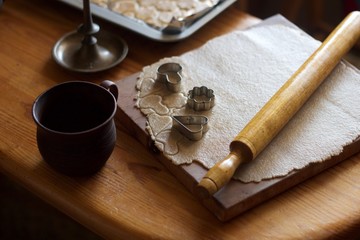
(148, 31)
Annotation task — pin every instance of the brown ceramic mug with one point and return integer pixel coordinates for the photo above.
(76, 132)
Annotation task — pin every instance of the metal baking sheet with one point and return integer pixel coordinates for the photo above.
(148, 31)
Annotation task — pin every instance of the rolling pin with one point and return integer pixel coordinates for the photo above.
(275, 114)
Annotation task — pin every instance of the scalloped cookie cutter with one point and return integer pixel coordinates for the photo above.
(170, 74)
(193, 127)
(201, 98)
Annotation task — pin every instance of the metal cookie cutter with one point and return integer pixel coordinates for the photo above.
(170, 74)
(193, 127)
(201, 98)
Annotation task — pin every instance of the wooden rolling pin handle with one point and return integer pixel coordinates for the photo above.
(275, 114)
(223, 170)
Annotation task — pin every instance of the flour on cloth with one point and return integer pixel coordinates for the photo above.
(245, 68)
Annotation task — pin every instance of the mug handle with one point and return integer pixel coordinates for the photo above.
(111, 87)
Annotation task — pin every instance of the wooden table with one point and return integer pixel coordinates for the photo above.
(134, 196)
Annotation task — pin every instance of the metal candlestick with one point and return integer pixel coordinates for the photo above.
(88, 49)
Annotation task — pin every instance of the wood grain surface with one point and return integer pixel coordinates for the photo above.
(134, 196)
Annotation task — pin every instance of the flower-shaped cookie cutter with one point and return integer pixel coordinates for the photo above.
(201, 98)
(192, 126)
(170, 74)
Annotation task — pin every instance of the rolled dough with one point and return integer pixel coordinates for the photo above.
(245, 68)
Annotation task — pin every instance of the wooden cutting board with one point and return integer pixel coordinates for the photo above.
(234, 198)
